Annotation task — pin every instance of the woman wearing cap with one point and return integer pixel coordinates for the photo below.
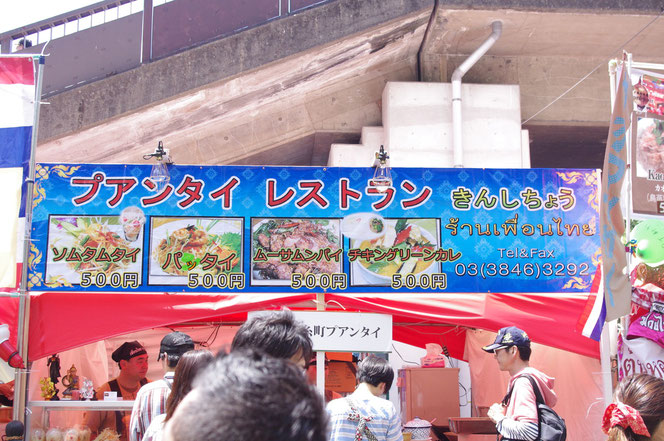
(637, 411)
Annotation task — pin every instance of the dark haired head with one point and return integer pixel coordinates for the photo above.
(190, 364)
(375, 370)
(173, 345)
(644, 393)
(524, 352)
(276, 333)
(14, 430)
(250, 395)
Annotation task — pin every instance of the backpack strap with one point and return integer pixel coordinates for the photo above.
(533, 383)
(536, 389)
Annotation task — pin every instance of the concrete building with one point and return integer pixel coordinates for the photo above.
(278, 82)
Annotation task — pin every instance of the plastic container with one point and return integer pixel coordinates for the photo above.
(418, 428)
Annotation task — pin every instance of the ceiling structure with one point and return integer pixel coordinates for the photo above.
(289, 111)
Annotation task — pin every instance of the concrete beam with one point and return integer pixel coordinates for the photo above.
(153, 83)
(335, 88)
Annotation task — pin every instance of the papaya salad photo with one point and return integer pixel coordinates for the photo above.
(94, 244)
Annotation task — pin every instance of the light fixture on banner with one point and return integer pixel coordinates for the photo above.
(382, 178)
(159, 173)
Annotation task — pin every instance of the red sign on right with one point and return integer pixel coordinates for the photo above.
(648, 164)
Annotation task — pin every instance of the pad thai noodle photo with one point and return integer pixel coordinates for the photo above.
(194, 248)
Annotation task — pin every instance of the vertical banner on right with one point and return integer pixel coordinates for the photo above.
(617, 287)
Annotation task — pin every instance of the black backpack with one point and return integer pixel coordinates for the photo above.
(550, 427)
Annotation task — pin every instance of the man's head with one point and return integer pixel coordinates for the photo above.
(375, 371)
(511, 345)
(278, 334)
(172, 347)
(132, 358)
(249, 395)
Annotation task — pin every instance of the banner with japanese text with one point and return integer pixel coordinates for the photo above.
(294, 229)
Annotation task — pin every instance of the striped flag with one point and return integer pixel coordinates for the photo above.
(615, 287)
(17, 105)
(594, 313)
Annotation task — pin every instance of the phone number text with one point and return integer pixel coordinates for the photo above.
(530, 269)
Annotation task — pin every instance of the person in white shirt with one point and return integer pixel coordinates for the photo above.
(151, 398)
(363, 414)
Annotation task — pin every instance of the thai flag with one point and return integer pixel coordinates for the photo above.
(17, 104)
(593, 317)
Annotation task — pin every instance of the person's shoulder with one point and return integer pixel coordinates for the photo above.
(156, 384)
(337, 405)
(384, 404)
(150, 388)
(521, 384)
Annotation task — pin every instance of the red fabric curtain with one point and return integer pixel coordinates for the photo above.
(60, 321)
(549, 319)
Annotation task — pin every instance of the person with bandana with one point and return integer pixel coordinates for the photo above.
(637, 411)
(132, 358)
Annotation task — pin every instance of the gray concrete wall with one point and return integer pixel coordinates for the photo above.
(90, 104)
(120, 94)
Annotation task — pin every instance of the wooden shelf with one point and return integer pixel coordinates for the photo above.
(472, 425)
(83, 405)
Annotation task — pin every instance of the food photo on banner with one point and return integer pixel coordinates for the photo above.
(648, 92)
(648, 160)
(272, 229)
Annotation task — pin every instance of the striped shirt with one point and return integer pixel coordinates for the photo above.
(150, 402)
(517, 430)
(385, 423)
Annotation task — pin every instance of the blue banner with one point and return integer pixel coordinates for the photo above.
(277, 229)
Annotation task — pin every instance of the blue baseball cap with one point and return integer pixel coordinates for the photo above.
(509, 336)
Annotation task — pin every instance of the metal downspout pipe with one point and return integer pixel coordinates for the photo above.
(497, 28)
(425, 40)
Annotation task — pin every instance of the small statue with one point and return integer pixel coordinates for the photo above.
(70, 381)
(53, 364)
(47, 389)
